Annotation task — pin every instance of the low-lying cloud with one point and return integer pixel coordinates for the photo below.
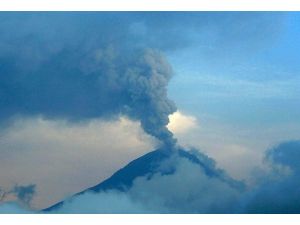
(190, 190)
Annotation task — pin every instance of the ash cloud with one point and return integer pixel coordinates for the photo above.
(78, 67)
(81, 67)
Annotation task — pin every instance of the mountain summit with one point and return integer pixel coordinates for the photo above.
(153, 163)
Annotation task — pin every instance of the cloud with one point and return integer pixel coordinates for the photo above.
(21, 193)
(104, 202)
(87, 66)
(24, 193)
(17, 199)
(189, 189)
(278, 190)
(80, 75)
(190, 134)
(181, 123)
(193, 191)
(244, 144)
(62, 158)
(84, 68)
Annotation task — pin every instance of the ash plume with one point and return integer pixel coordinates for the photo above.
(82, 67)
(147, 81)
(79, 66)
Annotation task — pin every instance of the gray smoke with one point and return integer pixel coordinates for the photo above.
(80, 67)
(147, 81)
(83, 66)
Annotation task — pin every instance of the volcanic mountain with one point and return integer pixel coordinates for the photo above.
(149, 164)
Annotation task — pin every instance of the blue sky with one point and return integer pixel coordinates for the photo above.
(242, 84)
(256, 82)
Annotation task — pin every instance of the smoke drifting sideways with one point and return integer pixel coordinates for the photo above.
(81, 67)
(196, 191)
(78, 66)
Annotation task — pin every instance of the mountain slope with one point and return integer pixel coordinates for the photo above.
(149, 164)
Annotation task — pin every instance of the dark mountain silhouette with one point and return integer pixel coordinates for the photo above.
(149, 164)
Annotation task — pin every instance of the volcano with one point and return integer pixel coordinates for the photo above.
(149, 164)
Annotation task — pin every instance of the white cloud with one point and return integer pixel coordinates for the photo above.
(181, 123)
(63, 158)
(238, 149)
(221, 142)
(192, 192)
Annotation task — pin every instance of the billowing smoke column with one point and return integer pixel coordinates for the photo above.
(82, 67)
(147, 82)
(78, 66)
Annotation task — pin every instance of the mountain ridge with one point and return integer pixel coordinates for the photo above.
(149, 164)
